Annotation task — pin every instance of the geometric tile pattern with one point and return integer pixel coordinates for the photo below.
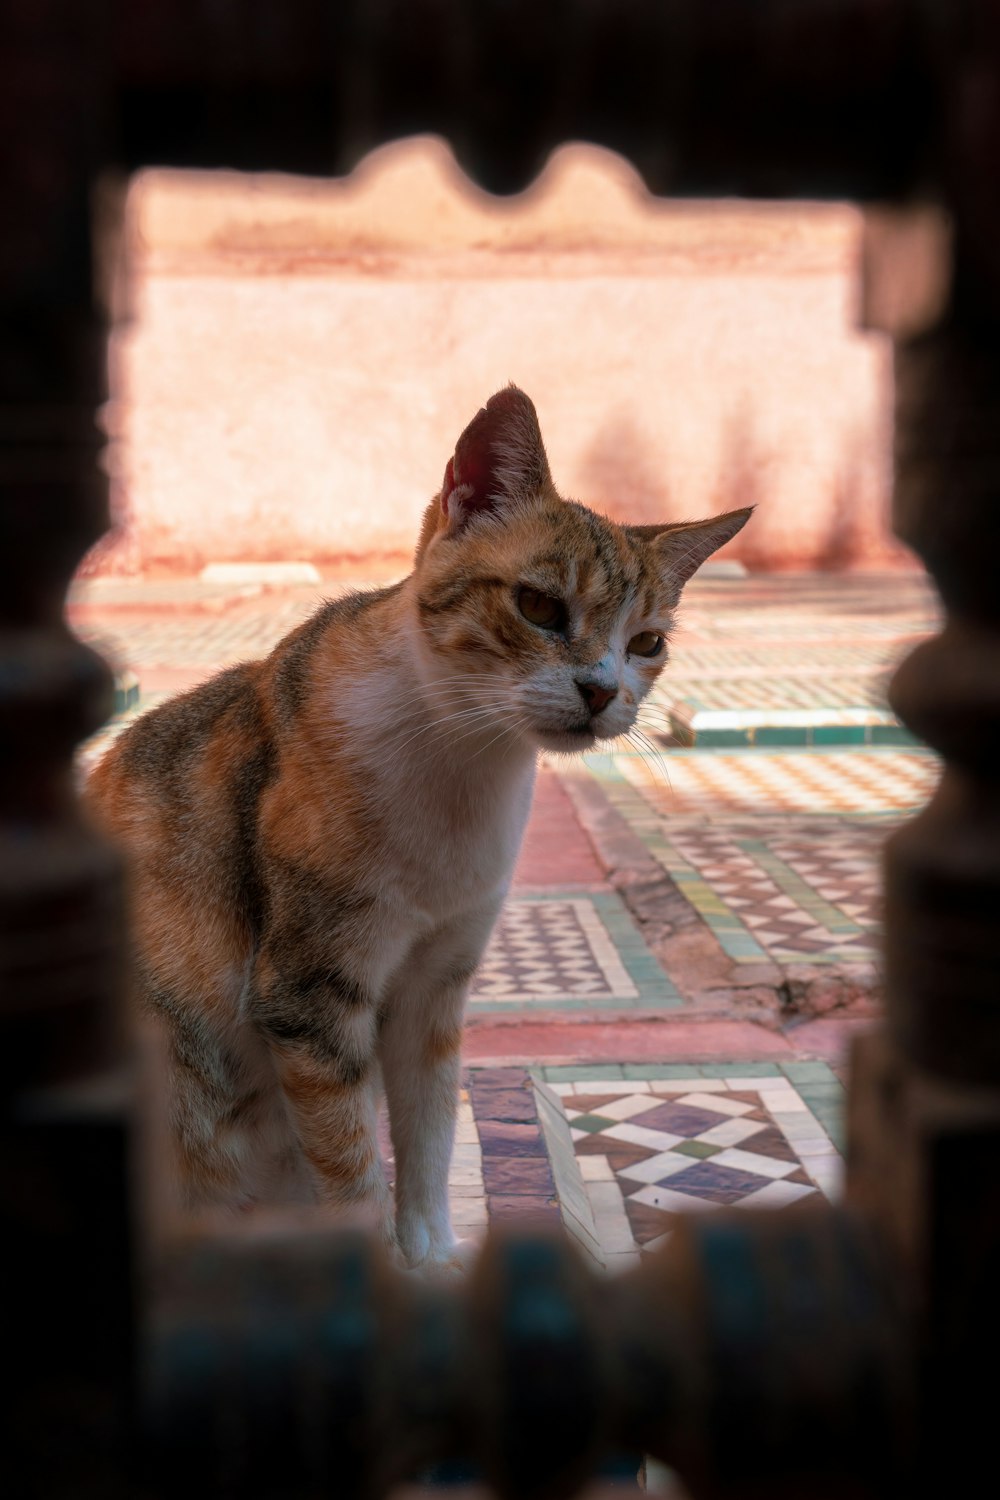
(651, 1149)
(772, 884)
(846, 781)
(798, 888)
(816, 690)
(803, 896)
(568, 951)
(551, 949)
(198, 638)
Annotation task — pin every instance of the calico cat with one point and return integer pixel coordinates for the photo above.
(320, 842)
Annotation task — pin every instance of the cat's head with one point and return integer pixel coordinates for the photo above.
(549, 618)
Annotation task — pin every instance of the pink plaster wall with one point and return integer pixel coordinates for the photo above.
(302, 357)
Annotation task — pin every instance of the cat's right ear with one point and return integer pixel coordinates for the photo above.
(498, 461)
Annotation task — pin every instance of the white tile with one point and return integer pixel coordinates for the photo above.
(798, 1127)
(595, 1169)
(666, 1198)
(621, 1260)
(814, 1145)
(578, 1135)
(748, 1161)
(462, 1174)
(613, 1234)
(685, 1085)
(641, 1135)
(608, 1086)
(827, 1173)
(731, 1132)
(785, 1100)
(562, 1089)
(628, 1105)
(752, 1085)
(605, 1197)
(775, 1195)
(470, 1212)
(689, 1085)
(667, 1164)
(721, 1105)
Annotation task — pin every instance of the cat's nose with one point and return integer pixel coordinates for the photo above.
(595, 696)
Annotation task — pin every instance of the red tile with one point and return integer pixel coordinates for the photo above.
(556, 851)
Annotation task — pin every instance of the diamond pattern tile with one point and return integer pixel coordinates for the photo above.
(724, 1142)
(551, 949)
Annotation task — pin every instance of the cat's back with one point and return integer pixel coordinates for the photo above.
(184, 783)
(177, 782)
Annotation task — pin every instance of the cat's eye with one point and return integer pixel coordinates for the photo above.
(646, 643)
(541, 609)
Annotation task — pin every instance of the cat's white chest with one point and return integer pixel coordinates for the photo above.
(455, 844)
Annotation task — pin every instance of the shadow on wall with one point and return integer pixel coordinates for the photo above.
(626, 475)
(623, 474)
(852, 529)
(847, 530)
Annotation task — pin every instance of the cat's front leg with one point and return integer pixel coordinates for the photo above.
(420, 1056)
(420, 1044)
(322, 1042)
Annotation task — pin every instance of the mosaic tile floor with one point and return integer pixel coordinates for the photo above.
(197, 639)
(840, 782)
(568, 952)
(775, 852)
(787, 869)
(616, 1152)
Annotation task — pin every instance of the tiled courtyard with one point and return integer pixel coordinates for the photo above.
(631, 1054)
(617, 1152)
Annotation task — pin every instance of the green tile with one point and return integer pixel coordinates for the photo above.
(666, 1070)
(694, 1148)
(741, 1070)
(126, 692)
(584, 1072)
(722, 739)
(592, 1123)
(808, 1072)
(892, 734)
(839, 734)
(785, 735)
(829, 1088)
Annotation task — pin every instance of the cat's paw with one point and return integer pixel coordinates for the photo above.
(446, 1262)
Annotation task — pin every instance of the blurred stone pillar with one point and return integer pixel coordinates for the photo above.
(63, 1094)
(924, 1137)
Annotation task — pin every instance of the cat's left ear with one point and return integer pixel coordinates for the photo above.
(682, 546)
(498, 461)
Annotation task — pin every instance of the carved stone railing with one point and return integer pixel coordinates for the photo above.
(830, 1354)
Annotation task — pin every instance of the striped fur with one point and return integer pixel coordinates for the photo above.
(321, 841)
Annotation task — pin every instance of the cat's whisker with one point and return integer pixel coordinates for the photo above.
(457, 679)
(471, 721)
(656, 760)
(634, 746)
(505, 730)
(460, 715)
(648, 754)
(475, 729)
